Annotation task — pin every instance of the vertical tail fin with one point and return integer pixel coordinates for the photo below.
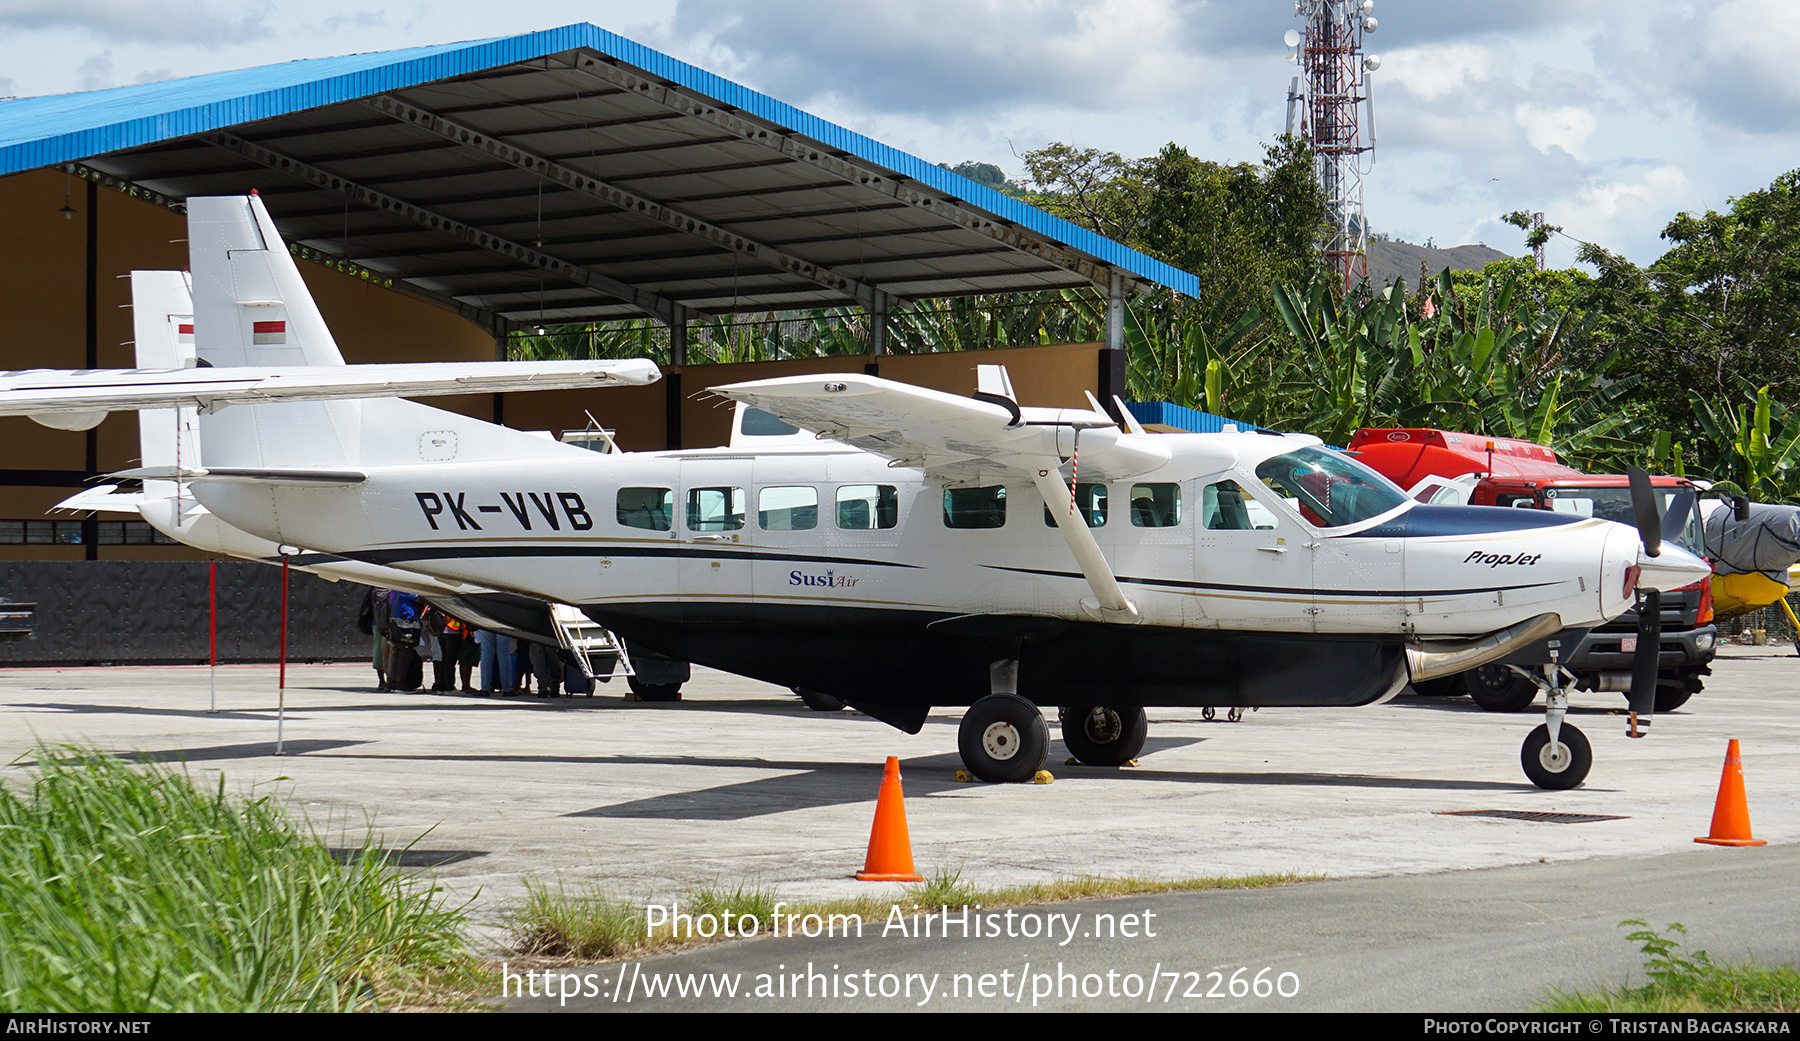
(251, 306)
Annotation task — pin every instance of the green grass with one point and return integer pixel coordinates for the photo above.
(555, 923)
(1685, 980)
(130, 889)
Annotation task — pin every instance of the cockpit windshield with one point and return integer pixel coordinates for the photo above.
(1329, 490)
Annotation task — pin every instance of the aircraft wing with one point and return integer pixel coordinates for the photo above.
(955, 439)
(44, 392)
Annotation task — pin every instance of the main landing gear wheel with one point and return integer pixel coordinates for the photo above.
(1003, 738)
(1100, 736)
(655, 691)
(1557, 767)
(1499, 689)
(818, 702)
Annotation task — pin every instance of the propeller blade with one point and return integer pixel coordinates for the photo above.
(1643, 508)
(1645, 661)
(1681, 510)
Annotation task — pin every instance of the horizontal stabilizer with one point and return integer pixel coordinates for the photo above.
(49, 391)
(105, 498)
(246, 475)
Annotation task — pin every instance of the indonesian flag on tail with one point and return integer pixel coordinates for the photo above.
(267, 333)
(184, 330)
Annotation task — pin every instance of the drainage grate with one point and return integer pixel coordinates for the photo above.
(1532, 815)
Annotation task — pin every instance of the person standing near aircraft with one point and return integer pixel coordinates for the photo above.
(375, 610)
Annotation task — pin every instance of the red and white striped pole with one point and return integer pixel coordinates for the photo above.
(281, 695)
(212, 633)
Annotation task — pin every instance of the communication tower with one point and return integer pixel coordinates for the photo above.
(1332, 105)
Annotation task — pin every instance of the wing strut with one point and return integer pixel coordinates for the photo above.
(1109, 603)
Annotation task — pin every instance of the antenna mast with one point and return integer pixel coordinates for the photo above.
(1330, 55)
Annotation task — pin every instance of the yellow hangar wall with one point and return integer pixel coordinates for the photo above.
(66, 304)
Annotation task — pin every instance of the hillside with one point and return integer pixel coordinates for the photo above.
(1392, 260)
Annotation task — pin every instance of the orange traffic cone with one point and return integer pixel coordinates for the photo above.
(1731, 814)
(890, 849)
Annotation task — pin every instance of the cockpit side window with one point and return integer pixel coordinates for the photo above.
(1224, 507)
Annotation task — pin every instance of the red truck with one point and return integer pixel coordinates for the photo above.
(1448, 467)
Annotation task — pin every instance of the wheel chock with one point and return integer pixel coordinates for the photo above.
(1731, 812)
(890, 847)
(1041, 777)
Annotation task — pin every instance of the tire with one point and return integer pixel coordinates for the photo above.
(1003, 739)
(1686, 683)
(1497, 688)
(818, 702)
(655, 691)
(1547, 772)
(1442, 687)
(1114, 739)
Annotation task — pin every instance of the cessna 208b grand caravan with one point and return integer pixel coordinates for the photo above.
(924, 549)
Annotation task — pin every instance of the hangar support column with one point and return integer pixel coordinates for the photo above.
(678, 344)
(878, 324)
(1115, 313)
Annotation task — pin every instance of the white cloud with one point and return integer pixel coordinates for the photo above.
(1566, 127)
(1433, 73)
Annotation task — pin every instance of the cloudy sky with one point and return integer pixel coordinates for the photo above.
(1610, 116)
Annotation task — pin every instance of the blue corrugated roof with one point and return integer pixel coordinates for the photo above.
(1163, 413)
(45, 131)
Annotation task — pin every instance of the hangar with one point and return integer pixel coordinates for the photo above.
(449, 195)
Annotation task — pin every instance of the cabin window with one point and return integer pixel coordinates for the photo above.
(651, 509)
(715, 509)
(975, 507)
(1155, 505)
(1090, 499)
(788, 508)
(867, 507)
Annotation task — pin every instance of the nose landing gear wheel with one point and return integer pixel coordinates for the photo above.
(1003, 738)
(1099, 736)
(1557, 767)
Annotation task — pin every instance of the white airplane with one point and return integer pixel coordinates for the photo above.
(925, 549)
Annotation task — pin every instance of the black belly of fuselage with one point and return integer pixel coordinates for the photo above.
(899, 657)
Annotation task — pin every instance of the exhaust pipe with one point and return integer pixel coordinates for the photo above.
(1430, 660)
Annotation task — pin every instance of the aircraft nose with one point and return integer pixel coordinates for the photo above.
(1673, 568)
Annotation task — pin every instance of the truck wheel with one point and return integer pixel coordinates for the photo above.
(1675, 686)
(1497, 688)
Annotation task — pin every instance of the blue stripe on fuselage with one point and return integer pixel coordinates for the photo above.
(1425, 521)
